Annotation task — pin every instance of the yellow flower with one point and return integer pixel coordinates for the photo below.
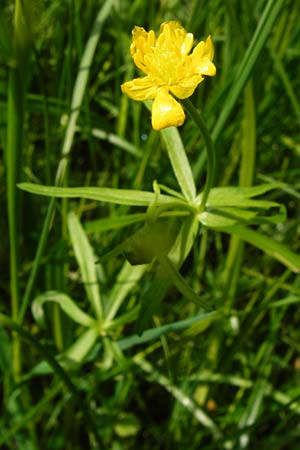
(169, 69)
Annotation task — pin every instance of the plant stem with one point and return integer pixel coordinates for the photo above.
(210, 150)
(13, 149)
(14, 144)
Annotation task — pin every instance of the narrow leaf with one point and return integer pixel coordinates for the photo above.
(111, 223)
(268, 245)
(180, 163)
(67, 305)
(78, 351)
(237, 195)
(155, 333)
(118, 196)
(86, 261)
(260, 36)
(126, 280)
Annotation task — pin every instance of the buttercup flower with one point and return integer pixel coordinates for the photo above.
(169, 69)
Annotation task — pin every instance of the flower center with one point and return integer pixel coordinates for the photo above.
(165, 66)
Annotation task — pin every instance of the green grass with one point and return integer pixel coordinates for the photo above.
(196, 344)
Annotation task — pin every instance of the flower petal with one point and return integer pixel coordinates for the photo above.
(209, 48)
(202, 57)
(142, 44)
(187, 44)
(174, 36)
(204, 49)
(206, 67)
(185, 88)
(170, 33)
(166, 111)
(140, 89)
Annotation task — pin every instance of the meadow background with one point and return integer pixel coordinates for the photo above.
(192, 380)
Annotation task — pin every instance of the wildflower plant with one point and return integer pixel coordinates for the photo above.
(167, 223)
(172, 220)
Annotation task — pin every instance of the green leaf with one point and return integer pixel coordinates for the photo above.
(230, 216)
(5, 352)
(78, 351)
(184, 241)
(87, 263)
(264, 27)
(81, 84)
(153, 240)
(127, 279)
(161, 282)
(155, 333)
(268, 245)
(150, 300)
(178, 159)
(180, 163)
(229, 206)
(6, 51)
(117, 141)
(67, 305)
(110, 223)
(180, 283)
(238, 196)
(119, 196)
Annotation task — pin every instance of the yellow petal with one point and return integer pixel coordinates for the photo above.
(142, 44)
(187, 44)
(140, 89)
(209, 48)
(185, 88)
(174, 36)
(204, 50)
(166, 111)
(169, 32)
(206, 67)
(201, 58)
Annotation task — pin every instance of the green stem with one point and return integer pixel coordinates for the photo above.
(38, 256)
(14, 144)
(210, 150)
(13, 150)
(180, 283)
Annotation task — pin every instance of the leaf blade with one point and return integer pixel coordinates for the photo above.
(128, 197)
(86, 260)
(275, 249)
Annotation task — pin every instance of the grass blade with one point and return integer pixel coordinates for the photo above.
(264, 27)
(86, 261)
(267, 245)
